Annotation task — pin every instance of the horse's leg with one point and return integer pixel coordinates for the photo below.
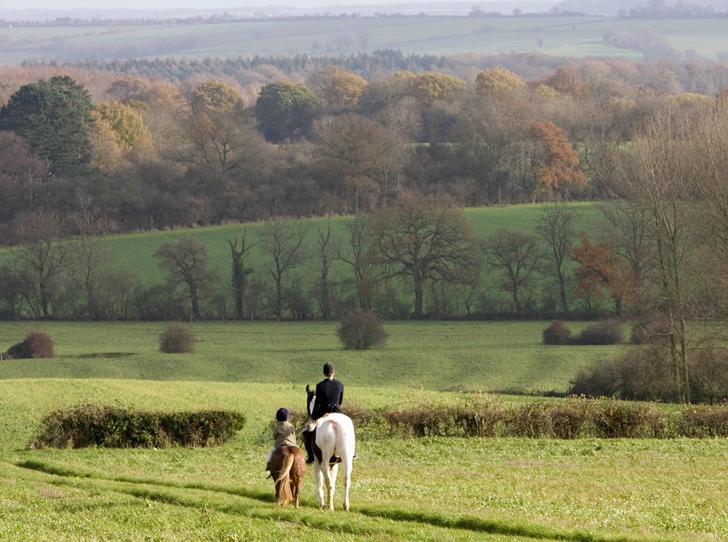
(332, 483)
(318, 480)
(329, 481)
(346, 464)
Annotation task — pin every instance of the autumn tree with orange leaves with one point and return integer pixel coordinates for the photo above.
(556, 163)
(601, 272)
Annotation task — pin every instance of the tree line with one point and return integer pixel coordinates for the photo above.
(155, 155)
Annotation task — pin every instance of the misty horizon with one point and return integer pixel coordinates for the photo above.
(164, 5)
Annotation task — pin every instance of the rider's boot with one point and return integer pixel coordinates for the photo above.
(267, 466)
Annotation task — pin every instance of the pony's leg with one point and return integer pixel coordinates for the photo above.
(346, 465)
(318, 481)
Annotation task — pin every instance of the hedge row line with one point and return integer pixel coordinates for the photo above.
(570, 419)
(113, 427)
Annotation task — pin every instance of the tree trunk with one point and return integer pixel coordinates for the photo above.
(279, 299)
(195, 303)
(562, 293)
(419, 295)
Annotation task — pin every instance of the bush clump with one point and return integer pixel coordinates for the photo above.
(112, 427)
(557, 334)
(361, 330)
(36, 345)
(177, 339)
(601, 333)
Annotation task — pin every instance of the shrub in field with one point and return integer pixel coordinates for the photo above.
(36, 345)
(177, 339)
(618, 419)
(112, 427)
(529, 420)
(700, 421)
(557, 334)
(568, 419)
(480, 417)
(602, 380)
(709, 373)
(601, 333)
(361, 330)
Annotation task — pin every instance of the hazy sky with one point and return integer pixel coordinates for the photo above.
(193, 4)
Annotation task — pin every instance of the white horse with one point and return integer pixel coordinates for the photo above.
(334, 437)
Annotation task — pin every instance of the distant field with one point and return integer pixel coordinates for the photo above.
(561, 36)
(136, 251)
(429, 355)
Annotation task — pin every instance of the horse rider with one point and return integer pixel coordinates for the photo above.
(329, 396)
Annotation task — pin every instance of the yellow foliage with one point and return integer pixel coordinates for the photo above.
(545, 92)
(216, 96)
(126, 125)
(431, 86)
(497, 82)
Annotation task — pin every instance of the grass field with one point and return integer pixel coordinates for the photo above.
(429, 355)
(427, 490)
(561, 36)
(136, 251)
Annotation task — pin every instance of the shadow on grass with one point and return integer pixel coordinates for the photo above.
(39, 466)
(105, 355)
(313, 519)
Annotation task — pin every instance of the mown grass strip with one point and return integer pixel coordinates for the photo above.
(183, 494)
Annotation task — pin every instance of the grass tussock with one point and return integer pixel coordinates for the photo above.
(105, 426)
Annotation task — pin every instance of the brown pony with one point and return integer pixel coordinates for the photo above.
(287, 468)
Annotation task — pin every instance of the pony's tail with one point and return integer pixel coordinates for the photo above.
(283, 483)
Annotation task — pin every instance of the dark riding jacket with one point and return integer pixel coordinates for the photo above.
(329, 396)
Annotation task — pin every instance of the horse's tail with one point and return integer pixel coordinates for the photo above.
(283, 483)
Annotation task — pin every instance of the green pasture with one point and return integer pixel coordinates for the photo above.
(562, 36)
(460, 356)
(424, 490)
(431, 489)
(136, 251)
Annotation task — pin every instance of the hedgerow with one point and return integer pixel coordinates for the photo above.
(483, 417)
(106, 426)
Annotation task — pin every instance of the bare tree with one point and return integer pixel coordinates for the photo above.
(356, 258)
(284, 243)
(327, 251)
(556, 227)
(656, 183)
(421, 240)
(185, 262)
(91, 251)
(627, 234)
(240, 249)
(41, 249)
(518, 255)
